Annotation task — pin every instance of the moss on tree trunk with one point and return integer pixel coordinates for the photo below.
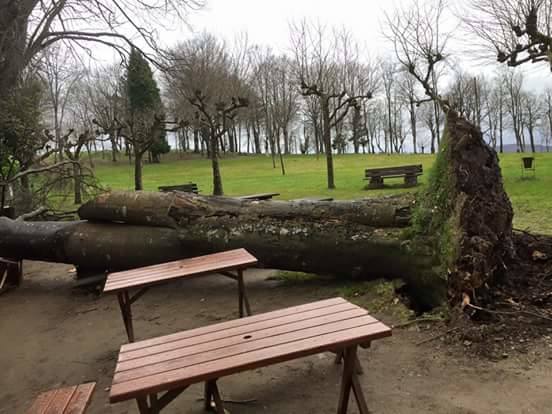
(466, 213)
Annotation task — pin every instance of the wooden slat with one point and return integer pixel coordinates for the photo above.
(249, 360)
(389, 171)
(67, 400)
(178, 265)
(60, 400)
(81, 399)
(239, 347)
(41, 402)
(232, 324)
(149, 275)
(271, 326)
(236, 342)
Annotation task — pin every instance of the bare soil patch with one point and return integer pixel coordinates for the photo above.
(54, 335)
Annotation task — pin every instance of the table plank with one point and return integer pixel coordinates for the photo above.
(287, 322)
(241, 346)
(242, 342)
(232, 324)
(60, 400)
(81, 399)
(159, 273)
(230, 364)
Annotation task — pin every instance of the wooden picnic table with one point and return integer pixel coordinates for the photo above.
(143, 278)
(157, 370)
(258, 197)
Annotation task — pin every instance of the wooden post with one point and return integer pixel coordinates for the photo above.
(243, 299)
(350, 381)
(126, 312)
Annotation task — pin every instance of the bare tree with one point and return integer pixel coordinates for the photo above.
(27, 27)
(203, 74)
(513, 82)
(409, 94)
(532, 109)
(420, 43)
(519, 31)
(104, 93)
(60, 76)
(321, 62)
(547, 125)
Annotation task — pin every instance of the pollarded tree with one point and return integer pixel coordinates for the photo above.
(321, 64)
(519, 31)
(203, 75)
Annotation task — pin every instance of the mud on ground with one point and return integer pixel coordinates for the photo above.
(54, 335)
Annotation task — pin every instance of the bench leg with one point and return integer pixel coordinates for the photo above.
(350, 381)
(126, 312)
(11, 274)
(376, 182)
(213, 400)
(143, 406)
(339, 355)
(410, 180)
(244, 306)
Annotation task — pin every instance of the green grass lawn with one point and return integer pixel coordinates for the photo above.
(306, 176)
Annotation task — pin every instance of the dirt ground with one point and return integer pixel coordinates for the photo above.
(53, 335)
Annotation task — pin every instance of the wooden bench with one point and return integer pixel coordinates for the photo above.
(313, 199)
(143, 278)
(11, 273)
(258, 197)
(157, 370)
(409, 172)
(186, 188)
(68, 400)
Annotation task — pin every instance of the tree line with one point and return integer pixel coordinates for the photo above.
(326, 96)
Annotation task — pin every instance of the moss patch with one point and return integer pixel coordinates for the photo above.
(378, 297)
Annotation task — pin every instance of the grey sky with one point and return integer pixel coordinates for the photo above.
(267, 23)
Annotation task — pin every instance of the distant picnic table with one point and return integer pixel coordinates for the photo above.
(186, 188)
(143, 278)
(409, 172)
(258, 197)
(313, 199)
(170, 364)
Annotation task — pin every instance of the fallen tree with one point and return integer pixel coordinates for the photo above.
(457, 235)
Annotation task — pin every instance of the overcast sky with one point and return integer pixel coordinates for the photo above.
(267, 23)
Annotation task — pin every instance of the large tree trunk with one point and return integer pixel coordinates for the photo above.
(348, 239)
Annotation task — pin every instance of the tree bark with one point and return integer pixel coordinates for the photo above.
(327, 137)
(348, 239)
(138, 186)
(217, 178)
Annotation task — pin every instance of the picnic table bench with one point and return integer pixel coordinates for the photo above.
(409, 172)
(186, 188)
(157, 370)
(258, 197)
(145, 277)
(67, 400)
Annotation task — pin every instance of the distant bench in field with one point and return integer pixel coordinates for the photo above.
(409, 172)
(186, 188)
